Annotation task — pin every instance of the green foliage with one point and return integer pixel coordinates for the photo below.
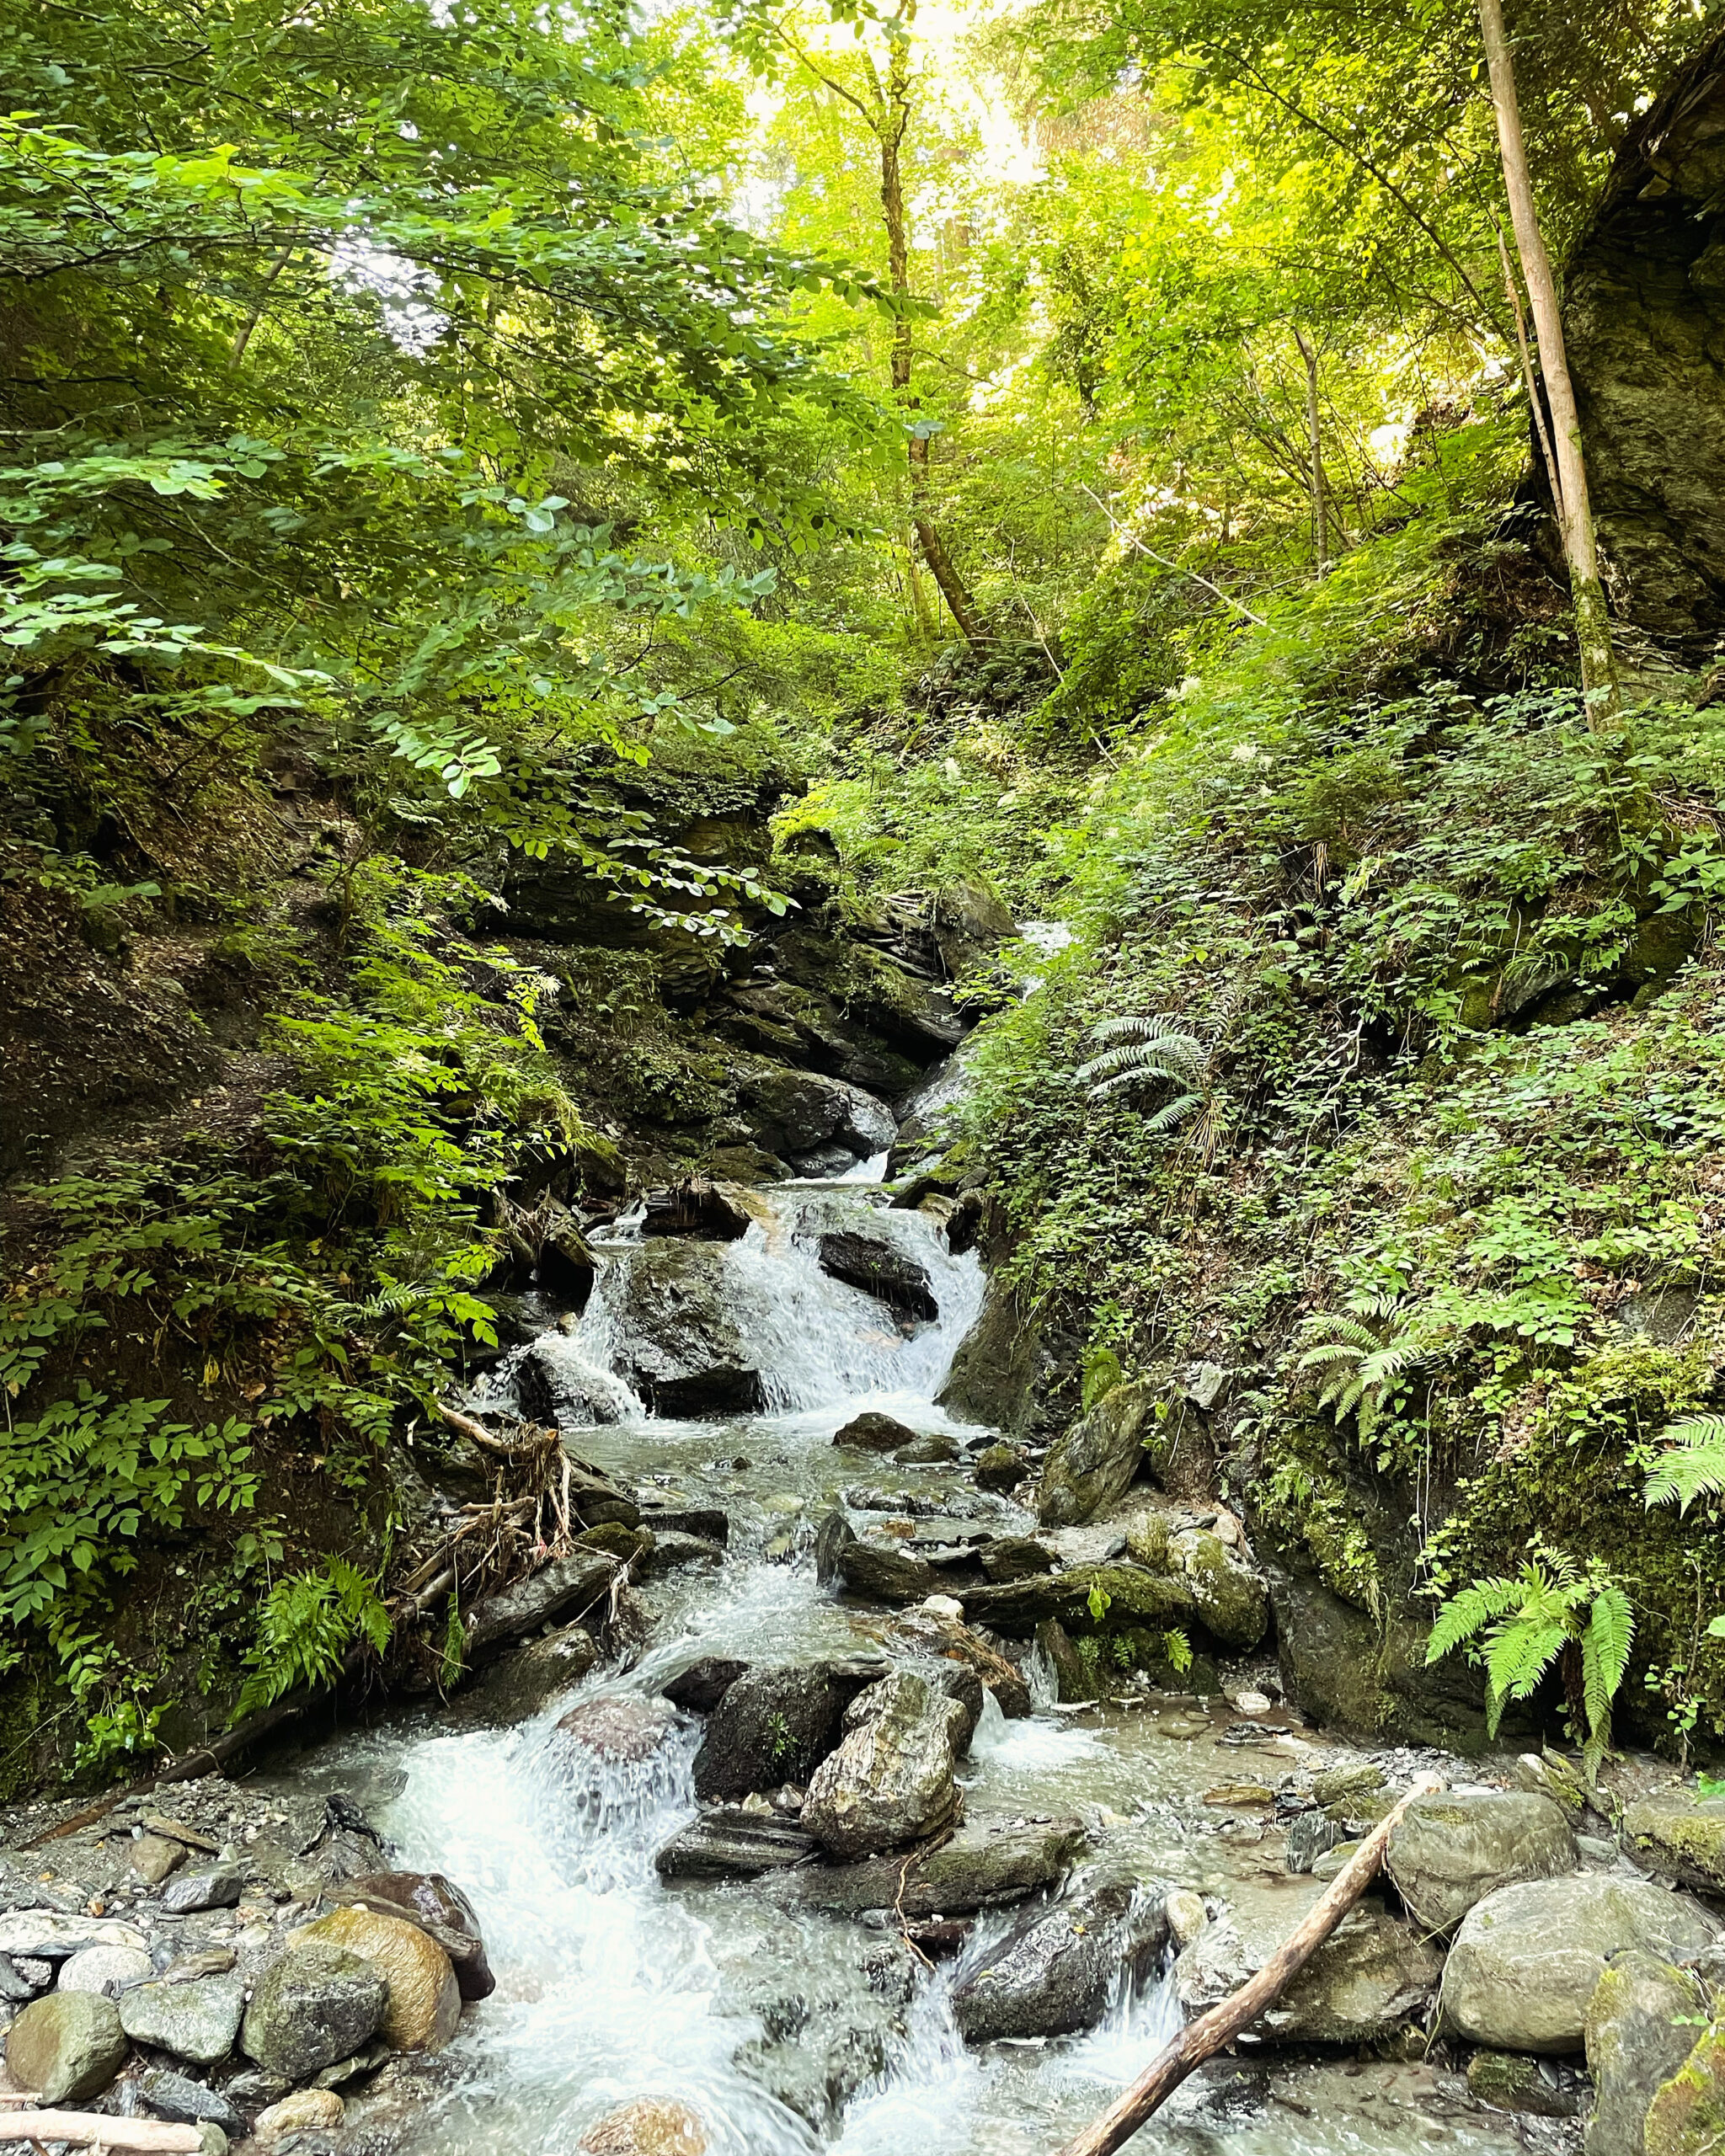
(1692, 1465)
(307, 1623)
(1363, 1356)
(1522, 1625)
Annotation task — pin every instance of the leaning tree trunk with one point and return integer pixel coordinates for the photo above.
(894, 114)
(1320, 516)
(1593, 623)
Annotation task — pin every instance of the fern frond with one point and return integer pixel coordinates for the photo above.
(1519, 1653)
(1152, 1027)
(1176, 1112)
(1347, 1330)
(1146, 1059)
(1605, 1655)
(1467, 1613)
(1693, 1467)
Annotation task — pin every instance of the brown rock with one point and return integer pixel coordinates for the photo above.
(425, 2003)
(153, 1856)
(652, 2125)
(307, 2110)
(440, 1910)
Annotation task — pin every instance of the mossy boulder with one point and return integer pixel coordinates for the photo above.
(1681, 1836)
(1451, 1849)
(66, 2047)
(1098, 1459)
(1232, 1601)
(1641, 2024)
(1687, 2114)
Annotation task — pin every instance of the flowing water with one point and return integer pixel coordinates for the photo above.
(612, 1986)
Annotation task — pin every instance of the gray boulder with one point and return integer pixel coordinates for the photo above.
(1680, 1835)
(215, 1886)
(66, 2047)
(800, 1111)
(873, 1564)
(875, 1264)
(177, 2096)
(1098, 1459)
(1232, 1601)
(1527, 1959)
(197, 2021)
(890, 1779)
(1372, 1977)
(1641, 2026)
(1451, 1849)
(1058, 1969)
(683, 1345)
(729, 1842)
(776, 1725)
(570, 1586)
(986, 1864)
(315, 2005)
(701, 1687)
(106, 1969)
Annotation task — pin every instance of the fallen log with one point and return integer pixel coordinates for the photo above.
(1203, 2038)
(89, 2129)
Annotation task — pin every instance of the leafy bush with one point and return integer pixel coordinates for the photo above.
(306, 1626)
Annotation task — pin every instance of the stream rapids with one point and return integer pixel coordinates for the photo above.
(614, 1985)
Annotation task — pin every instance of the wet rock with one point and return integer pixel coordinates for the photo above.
(1640, 2029)
(317, 2003)
(1133, 1596)
(697, 1207)
(1098, 1459)
(1510, 2081)
(709, 1521)
(1188, 1917)
(986, 1863)
(1348, 1784)
(703, 1683)
(1000, 1468)
(872, 1565)
(519, 1683)
(969, 919)
(1527, 1959)
(15, 1985)
(1680, 1835)
(876, 1265)
(816, 2072)
(66, 2047)
(890, 1779)
(216, 1886)
(1010, 1557)
(1687, 2117)
(197, 2021)
(629, 1546)
(957, 1681)
(553, 1386)
(950, 1638)
(1075, 1677)
(1451, 1849)
(671, 1552)
(873, 1432)
(797, 1110)
(565, 1265)
(652, 2125)
(1346, 1671)
(1212, 1967)
(1057, 1970)
(1372, 1977)
(571, 1585)
(177, 2096)
(440, 1908)
(619, 1727)
(776, 1725)
(1311, 1835)
(731, 1843)
(307, 2110)
(936, 1449)
(685, 1348)
(105, 1969)
(424, 2001)
(1003, 1370)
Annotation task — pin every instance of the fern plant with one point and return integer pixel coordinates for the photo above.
(1551, 1611)
(1136, 1051)
(307, 1623)
(1362, 1354)
(1692, 1466)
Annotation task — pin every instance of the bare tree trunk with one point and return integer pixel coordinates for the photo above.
(895, 114)
(1320, 520)
(1203, 2038)
(1593, 623)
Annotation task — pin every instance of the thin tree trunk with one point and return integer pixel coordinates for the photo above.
(895, 112)
(1203, 2038)
(1530, 381)
(89, 2129)
(1320, 520)
(1593, 623)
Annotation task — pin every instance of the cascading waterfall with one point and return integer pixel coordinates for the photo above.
(611, 1987)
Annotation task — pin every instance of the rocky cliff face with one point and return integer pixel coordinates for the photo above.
(1645, 321)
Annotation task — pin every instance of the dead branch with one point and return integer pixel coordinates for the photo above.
(1203, 2038)
(86, 2129)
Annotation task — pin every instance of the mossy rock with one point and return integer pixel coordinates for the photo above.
(1687, 2116)
(618, 1541)
(1681, 1836)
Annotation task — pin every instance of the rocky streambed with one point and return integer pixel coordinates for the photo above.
(865, 1783)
